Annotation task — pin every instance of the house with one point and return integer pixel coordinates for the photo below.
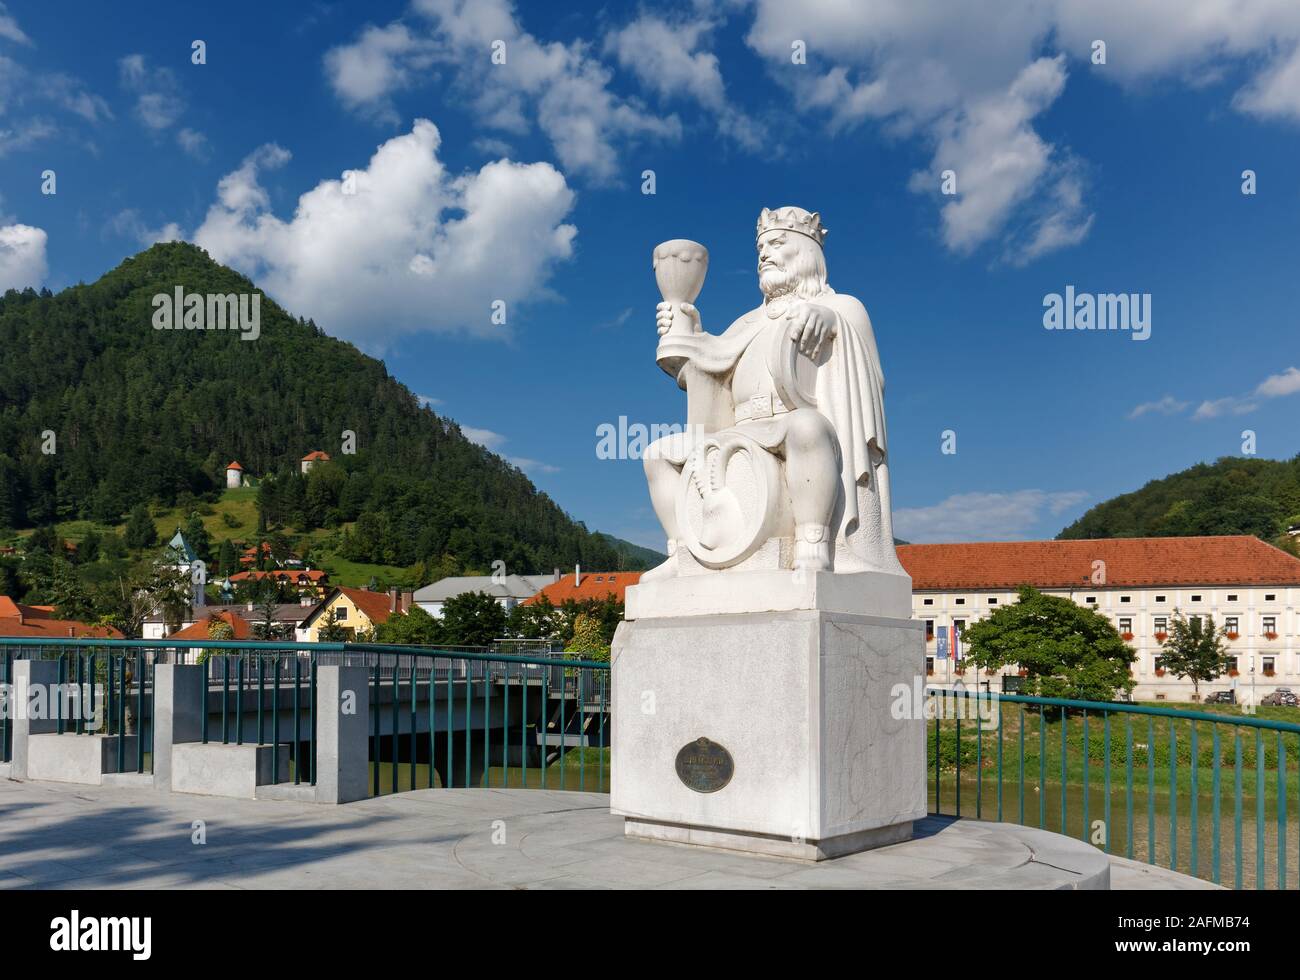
(248, 557)
(20, 620)
(356, 610)
(587, 585)
(308, 580)
(234, 475)
(287, 616)
(1249, 587)
(312, 458)
(243, 629)
(508, 590)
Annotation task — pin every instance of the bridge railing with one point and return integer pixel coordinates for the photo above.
(439, 717)
(1199, 792)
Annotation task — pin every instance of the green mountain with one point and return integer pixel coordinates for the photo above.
(1234, 495)
(100, 411)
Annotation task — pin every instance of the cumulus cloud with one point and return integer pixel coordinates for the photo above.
(970, 78)
(495, 442)
(9, 28)
(22, 256)
(399, 246)
(193, 142)
(560, 86)
(1169, 405)
(158, 99)
(1009, 516)
(1274, 386)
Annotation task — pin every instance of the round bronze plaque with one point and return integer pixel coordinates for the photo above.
(704, 766)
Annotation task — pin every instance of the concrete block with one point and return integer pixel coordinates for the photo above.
(803, 701)
(214, 769)
(78, 758)
(28, 675)
(342, 734)
(178, 706)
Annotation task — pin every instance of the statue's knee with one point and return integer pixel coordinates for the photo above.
(807, 431)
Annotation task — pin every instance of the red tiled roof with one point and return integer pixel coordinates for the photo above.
(199, 631)
(234, 465)
(19, 620)
(316, 454)
(1130, 562)
(315, 576)
(374, 604)
(592, 585)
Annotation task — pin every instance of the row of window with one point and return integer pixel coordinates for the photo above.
(1092, 599)
(1267, 664)
(1268, 625)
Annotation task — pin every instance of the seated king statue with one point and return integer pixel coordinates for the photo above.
(783, 463)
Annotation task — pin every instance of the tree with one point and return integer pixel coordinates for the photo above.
(1068, 651)
(333, 631)
(219, 629)
(227, 560)
(1194, 650)
(140, 531)
(537, 620)
(197, 535)
(267, 626)
(588, 640)
(472, 619)
(42, 541)
(414, 628)
(130, 598)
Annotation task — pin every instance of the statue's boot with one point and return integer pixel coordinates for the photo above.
(812, 548)
(667, 570)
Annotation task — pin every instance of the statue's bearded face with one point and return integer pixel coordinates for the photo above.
(789, 262)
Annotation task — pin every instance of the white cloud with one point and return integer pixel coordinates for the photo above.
(663, 56)
(127, 223)
(158, 99)
(532, 466)
(1274, 386)
(484, 437)
(193, 142)
(984, 516)
(22, 256)
(413, 249)
(970, 78)
(560, 85)
(9, 28)
(1168, 405)
(428, 401)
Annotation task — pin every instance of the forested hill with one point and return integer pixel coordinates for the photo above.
(139, 414)
(1231, 496)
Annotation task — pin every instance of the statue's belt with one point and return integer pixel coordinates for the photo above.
(759, 407)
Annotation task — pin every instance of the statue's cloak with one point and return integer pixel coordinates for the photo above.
(850, 392)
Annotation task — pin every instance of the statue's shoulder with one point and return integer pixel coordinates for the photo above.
(745, 320)
(849, 307)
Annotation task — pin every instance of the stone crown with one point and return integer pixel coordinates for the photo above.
(793, 219)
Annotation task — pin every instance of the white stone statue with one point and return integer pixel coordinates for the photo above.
(784, 461)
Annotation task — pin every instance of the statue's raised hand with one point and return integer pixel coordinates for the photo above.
(665, 313)
(811, 326)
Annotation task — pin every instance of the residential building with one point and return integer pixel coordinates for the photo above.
(587, 585)
(1245, 584)
(356, 610)
(508, 590)
(234, 475)
(306, 580)
(312, 458)
(18, 620)
(287, 616)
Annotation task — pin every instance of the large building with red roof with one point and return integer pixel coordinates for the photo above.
(18, 620)
(1245, 584)
(580, 585)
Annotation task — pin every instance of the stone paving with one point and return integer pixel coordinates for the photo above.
(55, 835)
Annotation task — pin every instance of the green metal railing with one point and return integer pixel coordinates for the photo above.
(1141, 781)
(468, 718)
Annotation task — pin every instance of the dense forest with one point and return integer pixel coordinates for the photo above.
(100, 413)
(1233, 495)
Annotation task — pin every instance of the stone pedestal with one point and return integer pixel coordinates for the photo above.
(73, 758)
(824, 750)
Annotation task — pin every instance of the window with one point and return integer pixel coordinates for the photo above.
(993, 600)
(1230, 624)
(1162, 624)
(611, 578)
(1091, 598)
(929, 602)
(1196, 598)
(600, 578)
(340, 613)
(1158, 663)
(1126, 624)
(1270, 596)
(1268, 665)
(960, 602)
(929, 665)
(1125, 598)
(1232, 597)
(1160, 598)
(1232, 665)
(1270, 624)
(929, 630)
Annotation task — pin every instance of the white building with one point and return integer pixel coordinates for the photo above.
(234, 475)
(508, 590)
(1249, 587)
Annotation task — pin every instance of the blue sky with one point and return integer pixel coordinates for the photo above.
(522, 182)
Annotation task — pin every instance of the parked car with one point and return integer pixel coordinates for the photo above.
(1222, 697)
(1282, 696)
